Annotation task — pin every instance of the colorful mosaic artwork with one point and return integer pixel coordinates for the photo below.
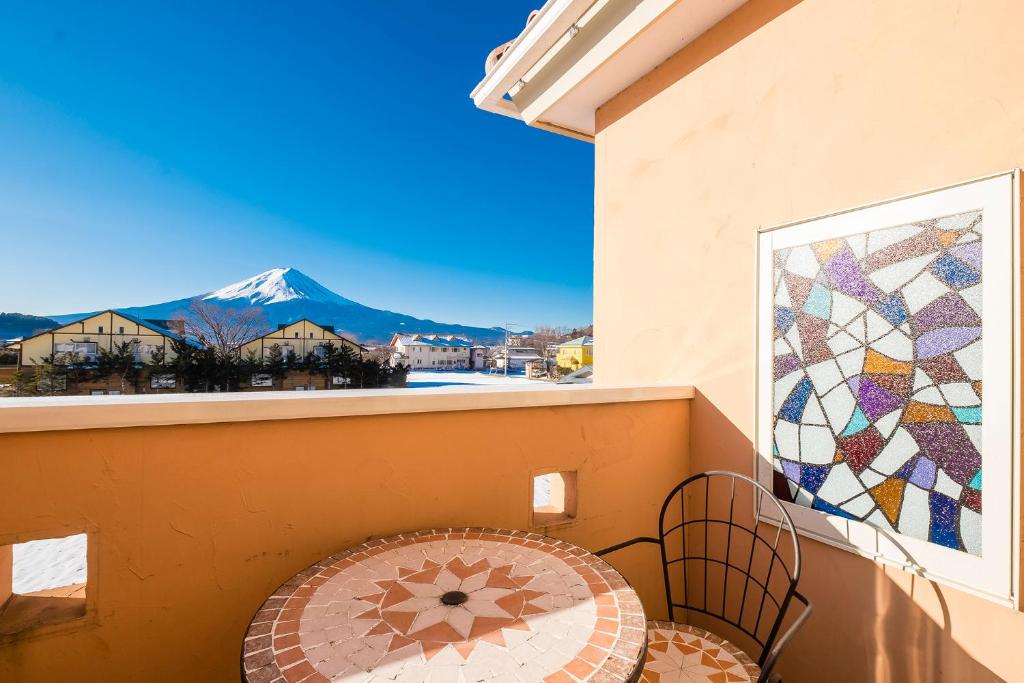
(878, 378)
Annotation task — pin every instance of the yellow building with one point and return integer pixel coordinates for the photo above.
(302, 336)
(89, 335)
(576, 353)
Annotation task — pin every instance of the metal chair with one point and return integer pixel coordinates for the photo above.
(768, 578)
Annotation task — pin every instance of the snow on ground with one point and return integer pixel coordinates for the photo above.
(420, 379)
(49, 563)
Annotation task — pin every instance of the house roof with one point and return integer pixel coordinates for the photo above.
(579, 341)
(582, 376)
(519, 353)
(148, 324)
(127, 316)
(326, 328)
(432, 340)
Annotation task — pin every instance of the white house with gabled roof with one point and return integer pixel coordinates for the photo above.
(431, 351)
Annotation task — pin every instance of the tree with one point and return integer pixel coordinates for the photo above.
(223, 330)
(50, 377)
(274, 364)
(120, 358)
(250, 365)
(158, 359)
(74, 365)
(186, 365)
(22, 383)
(220, 331)
(340, 362)
(396, 376)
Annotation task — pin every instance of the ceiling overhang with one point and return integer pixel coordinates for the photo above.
(578, 54)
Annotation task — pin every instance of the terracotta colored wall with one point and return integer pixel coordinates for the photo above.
(197, 525)
(788, 110)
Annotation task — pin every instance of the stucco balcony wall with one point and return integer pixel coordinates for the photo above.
(192, 526)
(785, 110)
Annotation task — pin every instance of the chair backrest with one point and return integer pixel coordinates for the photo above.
(719, 566)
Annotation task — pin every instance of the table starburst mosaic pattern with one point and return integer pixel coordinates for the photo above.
(878, 378)
(451, 605)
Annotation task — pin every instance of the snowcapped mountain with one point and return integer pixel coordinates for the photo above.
(286, 295)
(276, 286)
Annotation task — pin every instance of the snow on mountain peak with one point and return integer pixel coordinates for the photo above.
(276, 286)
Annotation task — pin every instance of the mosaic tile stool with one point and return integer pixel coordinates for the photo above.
(459, 605)
(717, 567)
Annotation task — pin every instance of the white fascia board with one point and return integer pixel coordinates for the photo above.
(630, 40)
(554, 19)
(614, 43)
(611, 30)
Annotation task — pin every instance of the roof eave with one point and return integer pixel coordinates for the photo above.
(578, 54)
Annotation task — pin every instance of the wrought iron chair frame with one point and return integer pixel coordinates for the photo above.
(772, 645)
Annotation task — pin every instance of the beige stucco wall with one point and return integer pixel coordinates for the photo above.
(789, 110)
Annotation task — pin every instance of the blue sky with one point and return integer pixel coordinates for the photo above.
(150, 151)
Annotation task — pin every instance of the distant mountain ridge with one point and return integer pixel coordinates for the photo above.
(287, 295)
(22, 325)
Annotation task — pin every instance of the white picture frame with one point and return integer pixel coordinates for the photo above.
(994, 573)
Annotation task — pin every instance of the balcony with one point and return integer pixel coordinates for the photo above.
(202, 507)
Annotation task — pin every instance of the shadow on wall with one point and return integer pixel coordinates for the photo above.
(870, 622)
(731, 30)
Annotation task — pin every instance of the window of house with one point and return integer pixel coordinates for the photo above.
(87, 349)
(100, 329)
(120, 330)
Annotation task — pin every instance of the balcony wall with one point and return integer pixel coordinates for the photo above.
(783, 111)
(194, 525)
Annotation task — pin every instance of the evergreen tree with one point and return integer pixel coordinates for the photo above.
(339, 362)
(274, 365)
(50, 377)
(23, 383)
(250, 365)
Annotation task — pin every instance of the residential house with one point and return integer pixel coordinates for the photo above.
(301, 337)
(516, 357)
(431, 351)
(478, 358)
(88, 335)
(575, 353)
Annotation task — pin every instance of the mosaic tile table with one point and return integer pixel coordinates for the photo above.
(455, 605)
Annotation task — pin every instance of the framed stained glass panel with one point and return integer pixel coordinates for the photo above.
(887, 380)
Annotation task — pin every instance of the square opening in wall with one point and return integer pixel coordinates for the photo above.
(554, 498)
(42, 582)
